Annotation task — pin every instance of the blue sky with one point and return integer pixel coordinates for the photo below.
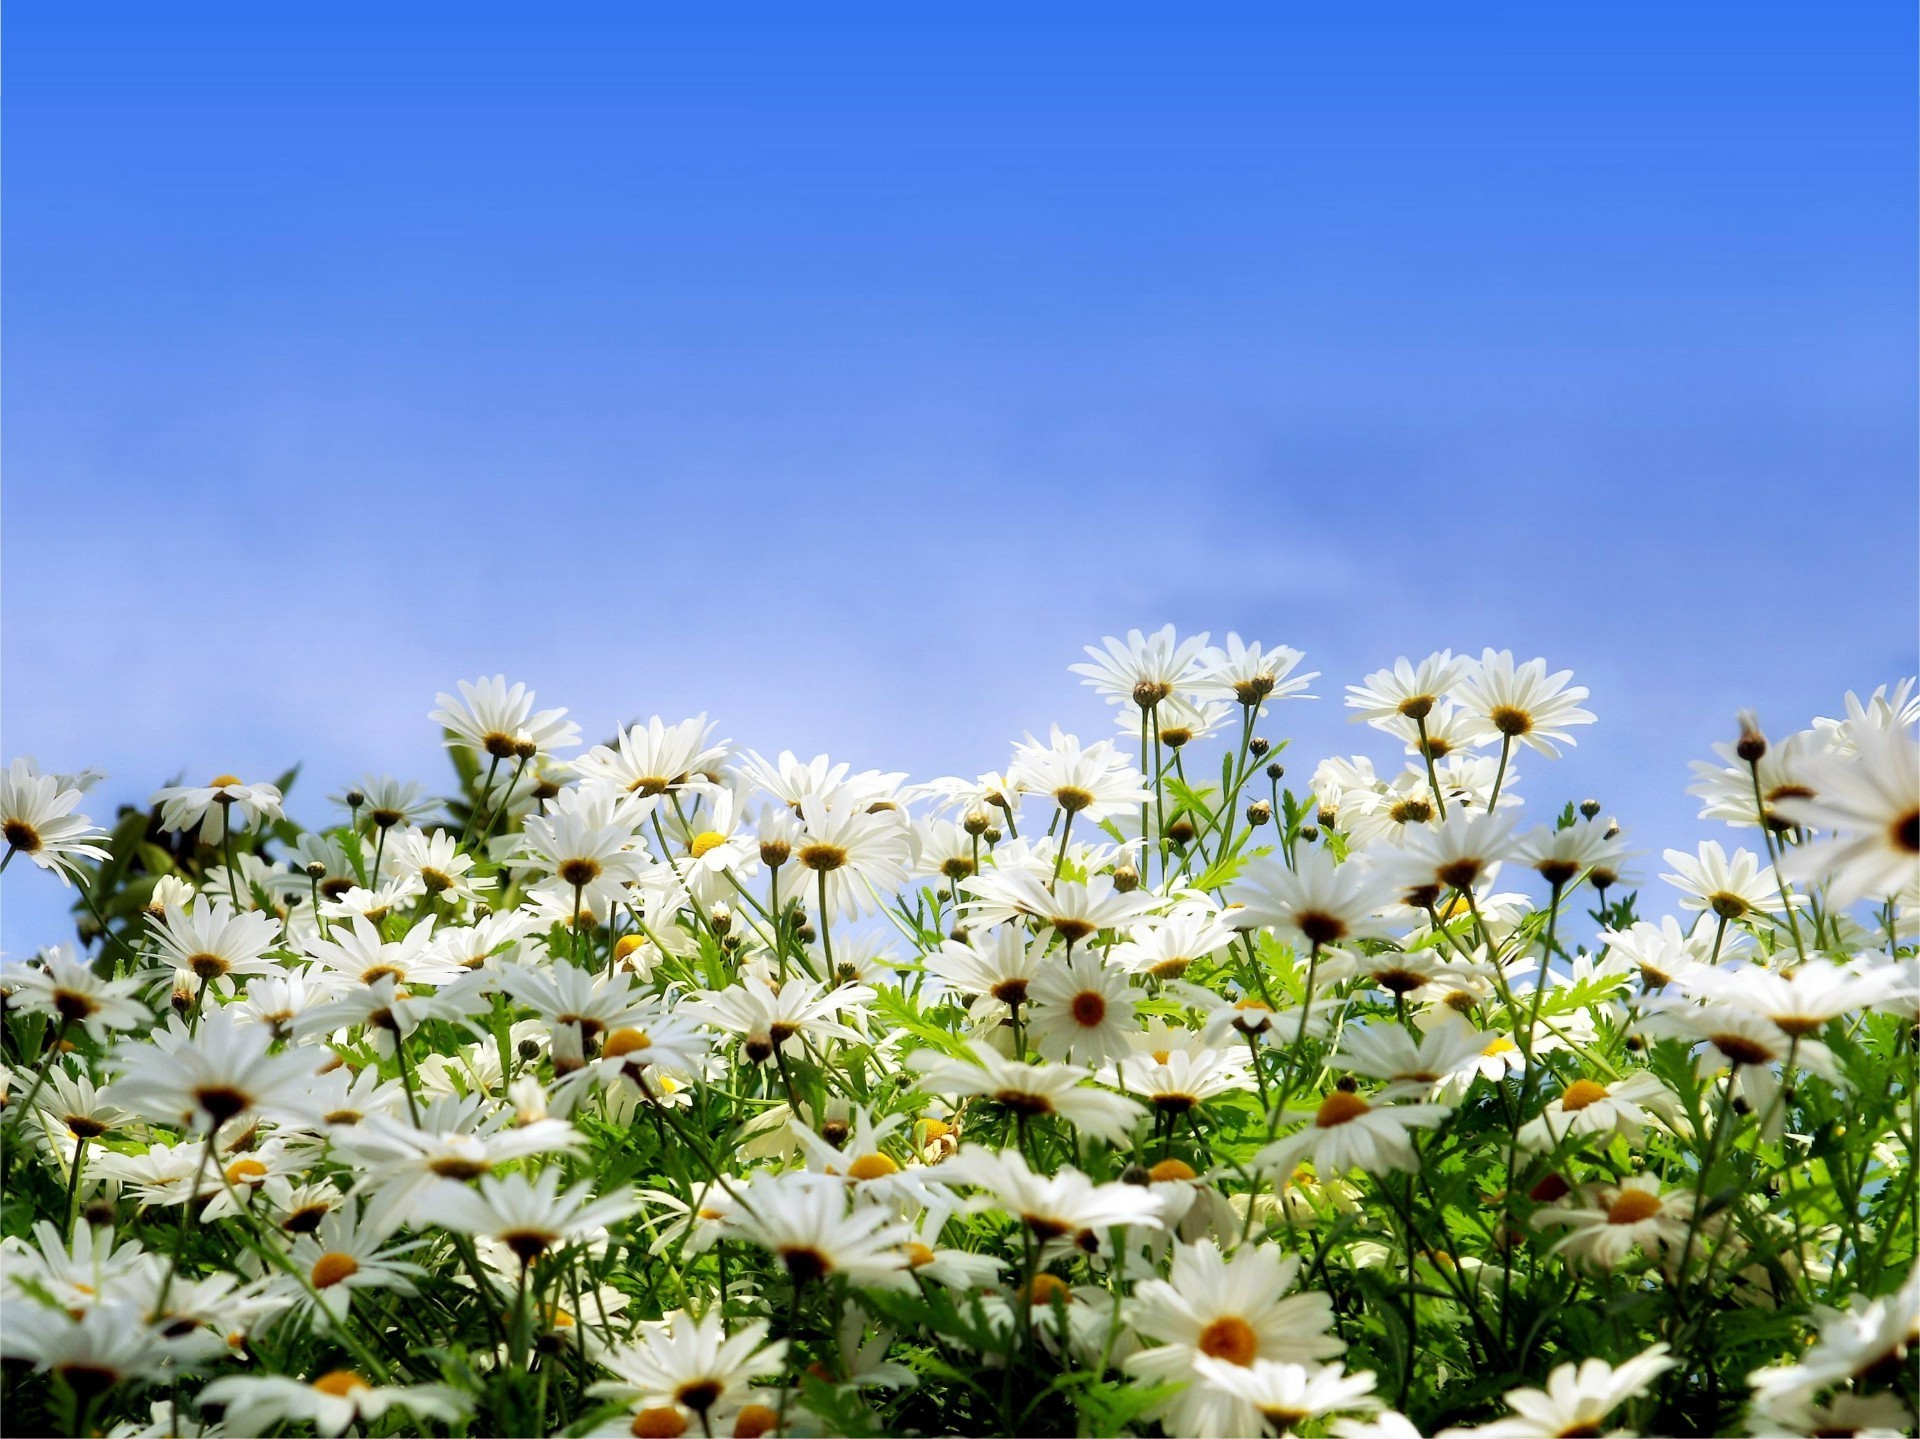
(841, 371)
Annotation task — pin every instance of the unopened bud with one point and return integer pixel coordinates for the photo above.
(721, 918)
(98, 1213)
(991, 836)
(1308, 834)
(1259, 813)
(1136, 1174)
(355, 799)
(1258, 746)
(1751, 745)
(316, 870)
(1181, 831)
(1589, 809)
(1126, 879)
(774, 852)
(977, 822)
(1276, 770)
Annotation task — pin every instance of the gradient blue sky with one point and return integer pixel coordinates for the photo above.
(841, 371)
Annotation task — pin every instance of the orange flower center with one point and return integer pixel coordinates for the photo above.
(1632, 1206)
(1170, 1169)
(1230, 1338)
(625, 1041)
(659, 1423)
(340, 1383)
(1340, 1108)
(329, 1269)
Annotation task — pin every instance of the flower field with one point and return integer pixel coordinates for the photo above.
(1166, 1082)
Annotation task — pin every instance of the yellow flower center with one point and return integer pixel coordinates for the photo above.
(625, 1041)
(919, 1254)
(340, 1383)
(872, 1166)
(626, 945)
(754, 1420)
(241, 1170)
(1170, 1169)
(706, 842)
(658, 1423)
(1580, 1094)
(1045, 1287)
(221, 781)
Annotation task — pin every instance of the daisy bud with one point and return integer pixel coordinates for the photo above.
(721, 918)
(977, 822)
(1308, 834)
(991, 836)
(759, 1049)
(1257, 746)
(1589, 808)
(1136, 1174)
(1181, 831)
(774, 852)
(1126, 879)
(99, 1213)
(1276, 770)
(525, 749)
(1259, 813)
(806, 933)
(1328, 816)
(1752, 745)
(354, 799)
(529, 1050)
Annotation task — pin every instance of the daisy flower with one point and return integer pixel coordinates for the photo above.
(333, 1402)
(202, 1079)
(492, 719)
(999, 963)
(1082, 1009)
(531, 1217)
(770, 1017)
(1074, 909)
(694, 1364)
(1097, 780)
(1348, 1133)
(1577, 1399)
(1235, 1311)
(1411, 1067)
(213, 942)
(655, 757)
(1406, 691)
(852, 854)
(407, 1171)
(223, 802)
(1175, 1081)
(1319, 900)
(1283, 1394)
(1871, 803)
(1165, 948)
(1507, 702)
(1461, 852)
(63, 984)
(586, 846)
(806, 1221)
(1610, 1221)
(106, 1344)
(361, 953)
(1053, 1207)
(344, 1254)
(1142, 669)
(1731, 888)
(1249, 674)
(1728, 792)
(37, 820)
(1601, 1110)
(1029, 1090)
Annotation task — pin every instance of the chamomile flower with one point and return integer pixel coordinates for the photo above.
(37, 820)
(1506, 702)
(1175, 1081)
(202, 1079)
(344, 1254)
(850, 855)
(1608, 1223)
(655, 757)
(685, 1363)
(1029, 1090)
(1347, 1132)
(1074, 909)
(1063, 1206)
(1142, 669)
(1405, 691)
(1082, 1010)
(1096, 780)
(1577, 1400)
(64, 985)
(531, 1217)
(1731, 887)
(224, 802)
(493, 719)
(999, 964)
(811, 1226)
(1232, 1310)
(1165, 948)
(1249, 674)
(1422, 1067)
(1320, 900)
(1599, 1110)
(332, 1402)
(213, 942)
(1284, 1394)
(1870, 802)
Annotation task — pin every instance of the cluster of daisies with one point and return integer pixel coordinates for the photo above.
(1151, 1085)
